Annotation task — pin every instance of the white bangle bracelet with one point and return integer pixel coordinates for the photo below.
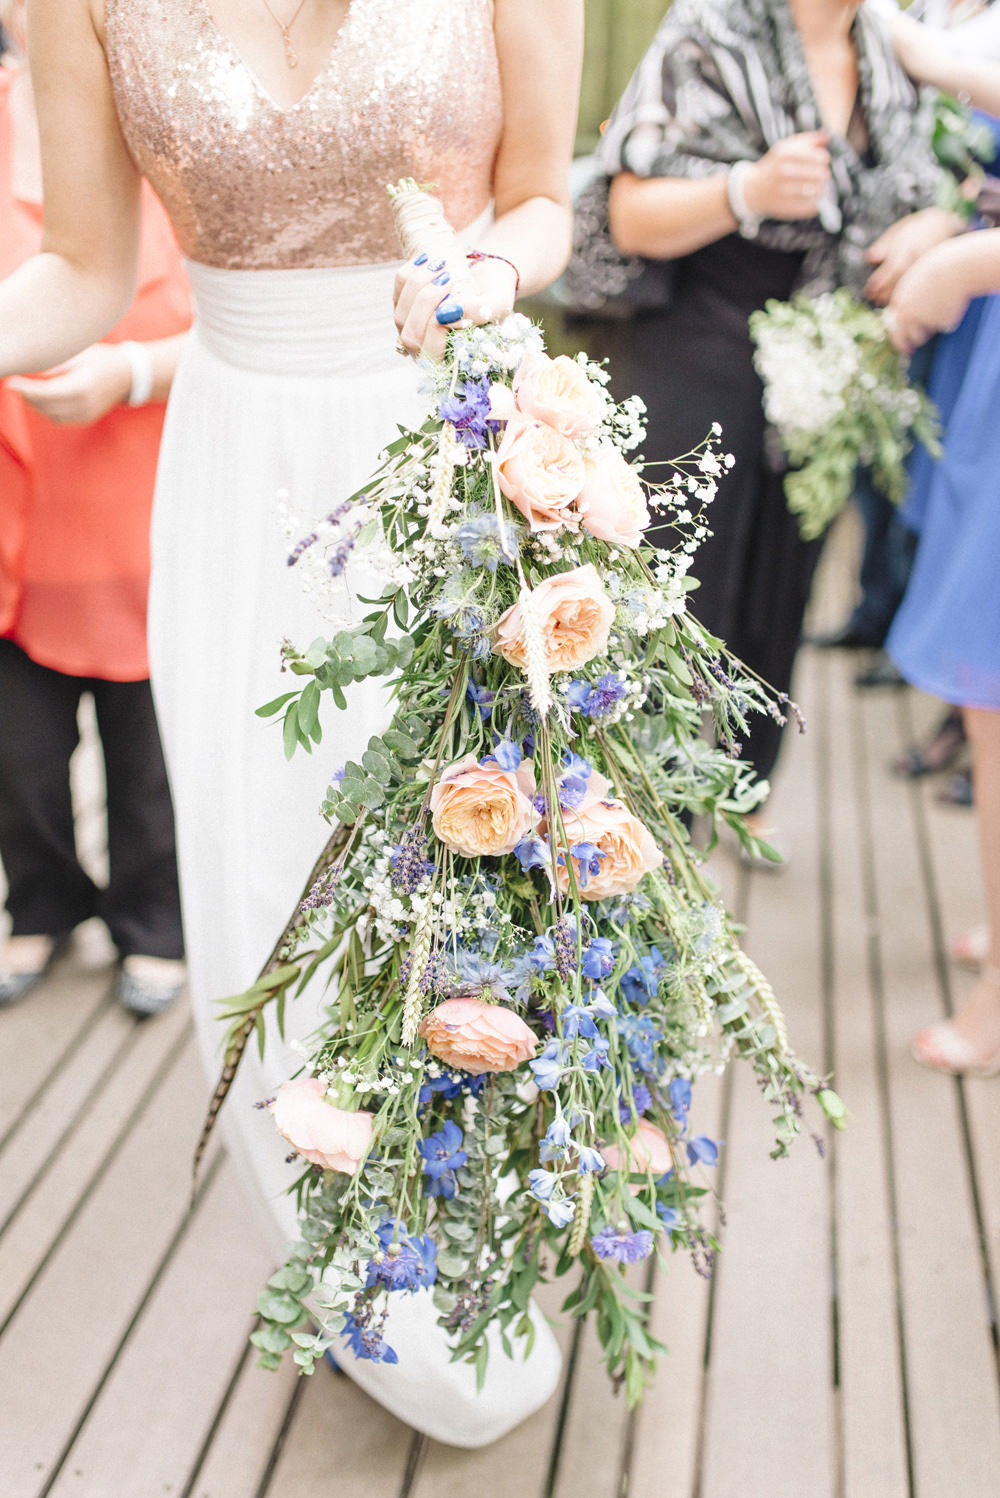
(747, 222)
(141, 365)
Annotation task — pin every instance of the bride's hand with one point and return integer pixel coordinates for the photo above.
(82, 390)
(432, 298)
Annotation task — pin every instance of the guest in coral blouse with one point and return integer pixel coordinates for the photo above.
(78, 451)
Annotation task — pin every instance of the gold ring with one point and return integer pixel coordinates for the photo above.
(400, 349)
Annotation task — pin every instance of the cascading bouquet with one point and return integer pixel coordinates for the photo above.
(838, 396)
(526, 966)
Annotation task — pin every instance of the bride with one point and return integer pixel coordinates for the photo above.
(270, 133)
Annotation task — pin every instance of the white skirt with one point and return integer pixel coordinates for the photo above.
(290, 382)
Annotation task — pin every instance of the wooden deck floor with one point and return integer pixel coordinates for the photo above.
(846, 1348)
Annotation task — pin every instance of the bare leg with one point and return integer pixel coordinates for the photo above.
(974, 1033)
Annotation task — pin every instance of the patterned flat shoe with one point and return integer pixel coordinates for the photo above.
(24, 962)
(149, 985)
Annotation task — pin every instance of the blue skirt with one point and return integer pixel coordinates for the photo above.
(946, 636)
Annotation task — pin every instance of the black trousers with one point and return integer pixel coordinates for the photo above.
(48, 891)
(754, 571)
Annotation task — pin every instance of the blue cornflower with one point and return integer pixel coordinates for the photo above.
(702, 1150)
(680, 1098)
(622, 1247)
(599, 959)
(365, 1338)
(443, 1151)
(604, 696)
(467, 409)
(590, 1160)
(483, 542)
(403, 1262)
(483, 698)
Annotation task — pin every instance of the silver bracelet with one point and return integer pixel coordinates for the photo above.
(141, 365)
(748, 223)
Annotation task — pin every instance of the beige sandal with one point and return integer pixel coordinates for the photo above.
(941, 1048)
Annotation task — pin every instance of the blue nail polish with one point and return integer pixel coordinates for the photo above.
(449, 311)
(442, 279)
(420, 260)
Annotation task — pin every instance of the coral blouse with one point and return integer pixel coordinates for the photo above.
(75, 501)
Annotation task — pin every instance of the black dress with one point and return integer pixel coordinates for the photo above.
(693, 365)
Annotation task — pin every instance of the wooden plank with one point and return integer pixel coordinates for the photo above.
(339, 1442)
(515, 1466)
(52, 1114)
(57, 1348)
(769, 1423)
(45, 1215)
(177, 1363)
(246, 1433)
(666, 1438)
(951, 1372)
(40, 1033)
(872, 1410)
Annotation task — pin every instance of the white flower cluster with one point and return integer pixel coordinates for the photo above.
(808, 361)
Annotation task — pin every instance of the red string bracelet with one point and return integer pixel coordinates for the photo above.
(485, 255)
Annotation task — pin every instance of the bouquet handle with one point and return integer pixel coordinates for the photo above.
(424, 230)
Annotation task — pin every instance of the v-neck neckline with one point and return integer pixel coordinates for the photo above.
(265, 93)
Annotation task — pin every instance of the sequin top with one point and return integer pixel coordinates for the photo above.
(410, 88)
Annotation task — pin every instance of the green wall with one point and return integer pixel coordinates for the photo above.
(618, 32)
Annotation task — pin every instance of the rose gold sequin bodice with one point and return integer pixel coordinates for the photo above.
(410, 89)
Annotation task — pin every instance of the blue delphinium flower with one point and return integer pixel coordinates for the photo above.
(680, 1098)
(641, 1097)
(576, 1020)
(703, 1151)
(506, 754)
(483, 698)
(588, 861)
(639, 983)
(548, 1067)
(450, 1084)
(622, 1247)
(597, 1056)
(402, 1262)
(601, 1006)
(589, 1160)
(468, 408)
(559, 1213)
(669, 1216)
(599, 959)
(363, 1335)
(641, 1036)
(443, 1155)
(534, 852)
(557, 1138)
(541, 1184)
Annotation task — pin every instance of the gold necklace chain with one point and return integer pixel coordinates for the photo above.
(285, 27)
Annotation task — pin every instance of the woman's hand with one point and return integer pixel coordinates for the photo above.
(901, 246)
(431, 299)
(926, 301)
(789, 181)
(81, 391)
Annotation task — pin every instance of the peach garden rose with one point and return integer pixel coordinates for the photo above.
(477, 1037)
(648, 1148)
(558, 392)
(574, 614)
(482, 810)
(612, 506)
(625, 845)
(335, 1138)
(541, 473)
